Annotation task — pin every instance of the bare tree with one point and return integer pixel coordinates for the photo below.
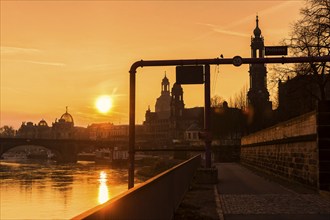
(239, 100)
(216, 101)
(310, 36)
(7, 131)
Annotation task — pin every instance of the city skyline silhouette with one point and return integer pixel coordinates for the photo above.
(72, 59)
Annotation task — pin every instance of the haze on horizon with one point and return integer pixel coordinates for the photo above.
(68, 53)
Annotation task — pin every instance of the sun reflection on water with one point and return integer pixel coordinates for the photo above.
(103, 188)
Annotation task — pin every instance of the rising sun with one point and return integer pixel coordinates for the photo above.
(104, 103)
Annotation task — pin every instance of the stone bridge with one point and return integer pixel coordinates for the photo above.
(66, 150)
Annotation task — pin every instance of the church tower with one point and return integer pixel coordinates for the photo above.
(258, 95)
(177, 104)
(165, 86)
(163, 103)
(177, 107)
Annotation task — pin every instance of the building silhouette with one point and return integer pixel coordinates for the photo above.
(170, 119)
(260, 108)
(300, 95)
(228, 124)
(61, 129)
(162, 106)
(296, 96)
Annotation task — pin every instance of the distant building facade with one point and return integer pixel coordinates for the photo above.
(30, 130)
(107, 131)
(300, 95)
(64, 127)
(116, 133)
(228, 125)
(171, 119)
(60, 129)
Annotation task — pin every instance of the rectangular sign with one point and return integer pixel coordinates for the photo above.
(190, 74)
(276, 50)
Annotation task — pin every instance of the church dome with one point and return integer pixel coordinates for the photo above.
(43, 123)
(66, 117)
(257, 31)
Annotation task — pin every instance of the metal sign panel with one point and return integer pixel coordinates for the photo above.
(190, 74)
(276, 50)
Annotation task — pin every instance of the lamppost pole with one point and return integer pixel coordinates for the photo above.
(131, 140)
(207, 115)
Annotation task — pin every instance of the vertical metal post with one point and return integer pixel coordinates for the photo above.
(207, 113)
(131, 141)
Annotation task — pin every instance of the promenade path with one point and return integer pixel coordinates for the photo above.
(243, 194)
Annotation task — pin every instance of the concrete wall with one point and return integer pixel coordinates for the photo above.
(288, 149)
(157, 198)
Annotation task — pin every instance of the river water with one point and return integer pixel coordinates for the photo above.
(44, 190)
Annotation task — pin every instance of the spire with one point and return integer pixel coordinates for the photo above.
(257, 21)
(257, 31)
(165, 79)
(66, 107)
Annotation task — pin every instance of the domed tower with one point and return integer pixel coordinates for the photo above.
(177, 104)
(64, 127)
(163, 103)
(165, 86)
(258, 95)
(66, 117)
(42, 123)
(43, 130)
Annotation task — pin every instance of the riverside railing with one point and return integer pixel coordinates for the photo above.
(156, 198)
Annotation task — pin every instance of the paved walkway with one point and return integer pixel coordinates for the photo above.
(243, 194)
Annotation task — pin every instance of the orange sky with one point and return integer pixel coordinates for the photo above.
(67, 53)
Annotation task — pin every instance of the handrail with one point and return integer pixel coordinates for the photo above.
(156, 198)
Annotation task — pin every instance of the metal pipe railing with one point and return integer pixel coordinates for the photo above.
(237, 61)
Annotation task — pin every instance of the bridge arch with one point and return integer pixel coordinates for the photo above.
(57, 154)
(65, 151)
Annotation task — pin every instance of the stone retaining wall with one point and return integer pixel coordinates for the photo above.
(298, 149)
(288, 150)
